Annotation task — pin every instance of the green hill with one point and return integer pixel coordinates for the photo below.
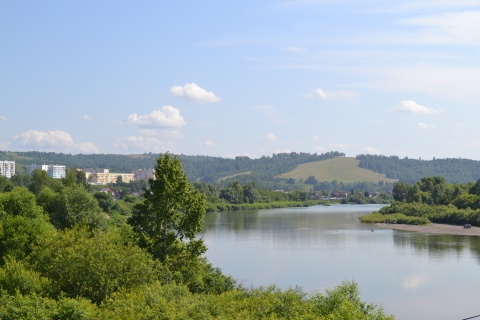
(341, 169)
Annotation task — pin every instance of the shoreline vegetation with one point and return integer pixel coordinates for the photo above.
(431, 205)
(433, 228)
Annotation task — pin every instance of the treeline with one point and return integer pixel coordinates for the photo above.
(198, 168)
(412, 170)
(63, 256)
(432, 199)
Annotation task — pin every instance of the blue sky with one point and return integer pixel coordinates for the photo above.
(250, 78)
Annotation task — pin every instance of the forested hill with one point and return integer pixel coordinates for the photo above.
(198, 168)
(412, 170)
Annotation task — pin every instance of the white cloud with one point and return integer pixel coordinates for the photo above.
(372, 150)
(423, 125)
(3, 118)
(144, 144)
(320, 148)
(55, 140)
(293, 49)
(333, 95)
(320, 94)
(86, 147)
(413, 107)
(458, 28)
(271, 137)
(207, 143)
(167, 116)
(191, 91)
(316, 138)
(86, 117)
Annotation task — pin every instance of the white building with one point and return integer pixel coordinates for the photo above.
(53, 170)
(7, 168)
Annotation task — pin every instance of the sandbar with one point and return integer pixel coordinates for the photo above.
(435, 228)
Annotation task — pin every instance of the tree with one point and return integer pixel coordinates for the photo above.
(171, 213)
(74, 205)
(400, 191)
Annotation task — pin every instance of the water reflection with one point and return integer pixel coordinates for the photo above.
(413, 275)
(438, 246)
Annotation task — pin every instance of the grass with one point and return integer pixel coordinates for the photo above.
(235, 175)
(342, 169)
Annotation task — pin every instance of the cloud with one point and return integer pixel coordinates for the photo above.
(3, 118)
(192, 92)
(423, 125)
(316, 138)
(332, 95)
(372, 150)
(271, 137)
(293, 49)
(207, 143)
(413, 107)
(86, 117)
(320, 94)
(457, 28)
(86, 147)
(167, 116)
(55, 140)
(145, 144)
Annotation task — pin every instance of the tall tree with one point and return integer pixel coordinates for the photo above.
(171, 214)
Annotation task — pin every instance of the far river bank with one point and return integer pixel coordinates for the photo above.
(434, 228)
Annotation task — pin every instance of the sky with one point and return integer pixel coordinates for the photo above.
(241, 78)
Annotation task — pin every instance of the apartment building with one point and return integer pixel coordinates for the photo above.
(53, 170)
(104, 176)
(7, 168)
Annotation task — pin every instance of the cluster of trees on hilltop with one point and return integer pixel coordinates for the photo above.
(411, 170)
(198, 168)
(63, 258)
(432, 199)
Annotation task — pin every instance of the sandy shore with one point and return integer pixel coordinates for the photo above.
(433, 228)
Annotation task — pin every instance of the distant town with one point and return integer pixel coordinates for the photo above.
(94, 176)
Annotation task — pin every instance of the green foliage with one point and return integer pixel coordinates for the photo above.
(20, 202)
(176, 302)
(171, 213)
(72, 206)
(18, 235)
(15, 278)
(411, 170)
(27, 307)
(92, 264)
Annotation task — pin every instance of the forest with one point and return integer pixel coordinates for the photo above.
(65, 255)
(411, 170)
(265, 170)
(432, 199)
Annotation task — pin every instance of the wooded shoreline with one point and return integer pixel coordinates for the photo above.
(433, 228)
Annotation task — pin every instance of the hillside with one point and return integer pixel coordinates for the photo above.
(341, 169)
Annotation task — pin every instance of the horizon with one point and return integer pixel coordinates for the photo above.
(227, 79)
(203, 155)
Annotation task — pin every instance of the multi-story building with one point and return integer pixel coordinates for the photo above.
(7, 168)
(53, 170)
(143, 174)
(104, 176)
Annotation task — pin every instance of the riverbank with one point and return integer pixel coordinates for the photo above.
(435, 228)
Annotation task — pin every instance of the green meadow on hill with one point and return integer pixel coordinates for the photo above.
(341, 169)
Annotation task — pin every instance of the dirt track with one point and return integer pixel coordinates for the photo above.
(433, 228)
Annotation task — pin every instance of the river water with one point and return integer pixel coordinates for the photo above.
(411, 275)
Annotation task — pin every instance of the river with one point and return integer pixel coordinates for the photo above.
(411, 275)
